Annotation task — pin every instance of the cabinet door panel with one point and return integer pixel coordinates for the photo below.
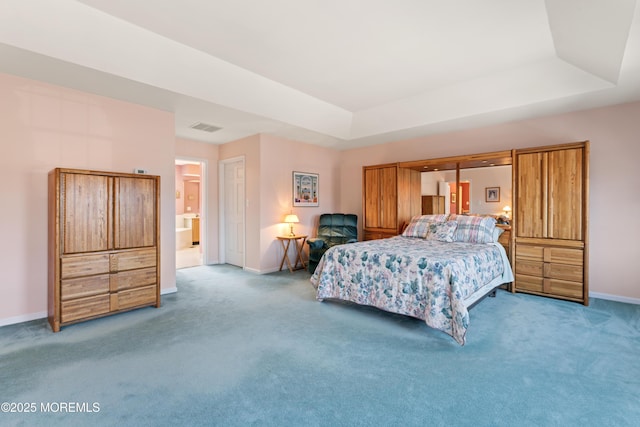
(372, 198)
(565, 194)
(85, 215)
(389, 196)
(135, 212)
(531, 197)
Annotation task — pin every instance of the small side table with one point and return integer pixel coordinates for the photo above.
(286, 241)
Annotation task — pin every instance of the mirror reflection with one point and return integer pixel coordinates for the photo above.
(481, 191)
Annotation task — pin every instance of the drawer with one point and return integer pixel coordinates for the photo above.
(84, 286)
(563, 271)
(564, 288)
(530, 268)
(133, 298)
(82, 308)
(131, 260)
(550, 254)
(529, 283)
(528, 252)
(553, 287)
(84, 265)
(132, 279)
(564, 256)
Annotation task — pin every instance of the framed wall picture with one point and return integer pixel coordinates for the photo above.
(492, 194)
(305, 189)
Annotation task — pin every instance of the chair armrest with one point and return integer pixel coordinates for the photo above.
(315, 243)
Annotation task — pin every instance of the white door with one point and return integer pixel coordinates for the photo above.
(234, 213)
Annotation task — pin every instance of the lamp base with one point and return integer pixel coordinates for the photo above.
(291, 233)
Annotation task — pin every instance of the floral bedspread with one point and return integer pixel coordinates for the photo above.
(422, 278)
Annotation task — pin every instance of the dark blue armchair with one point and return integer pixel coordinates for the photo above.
(333, 229)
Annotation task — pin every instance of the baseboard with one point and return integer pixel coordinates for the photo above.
(252, 270)
(617, 298)
(23, 318)
(168, 291)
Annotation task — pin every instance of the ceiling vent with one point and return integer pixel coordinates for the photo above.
(205, 127)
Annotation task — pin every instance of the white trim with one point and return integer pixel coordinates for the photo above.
(23, 318)
(168, 291)
(617, 298)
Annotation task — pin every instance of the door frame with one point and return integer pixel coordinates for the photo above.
(204, 204)
(222, 164)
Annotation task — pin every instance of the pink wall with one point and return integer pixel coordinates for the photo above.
(44, 126)
(179, 187)
(269, 163)
(279, 158)
(614, 133)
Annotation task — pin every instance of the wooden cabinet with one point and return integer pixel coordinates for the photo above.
(551, 218)
(432, 205)
(104, 251)
(195, 231)
(505, 238)
(391, 196)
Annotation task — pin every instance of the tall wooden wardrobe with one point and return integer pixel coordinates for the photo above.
(551, 220)
(104, 244)
(391, 196)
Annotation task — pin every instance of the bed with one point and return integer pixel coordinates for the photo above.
(434, 271)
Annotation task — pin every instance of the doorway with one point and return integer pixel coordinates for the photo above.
(190, 212)
(460, 201)
(232, 211)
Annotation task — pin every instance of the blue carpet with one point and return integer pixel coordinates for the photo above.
(235, 349)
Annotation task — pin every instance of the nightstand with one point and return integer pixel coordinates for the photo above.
(286, 242)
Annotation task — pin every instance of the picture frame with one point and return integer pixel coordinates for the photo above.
(453, 198)
(306, 189)
(492, 194)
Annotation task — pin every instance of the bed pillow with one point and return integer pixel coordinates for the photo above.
(419, 223)
(416, 228)
(442, 231)
(497, 232)
(475, 229)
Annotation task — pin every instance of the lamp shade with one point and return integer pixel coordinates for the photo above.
(507, 209)
(291, 219)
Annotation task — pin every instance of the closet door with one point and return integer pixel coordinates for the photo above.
(389, 197)
(85, 212)
(380, 197)
(532, 195)
(135, 212)
(565, 194)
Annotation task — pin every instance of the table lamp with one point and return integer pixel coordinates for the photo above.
(507, 210)
(291, 219)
